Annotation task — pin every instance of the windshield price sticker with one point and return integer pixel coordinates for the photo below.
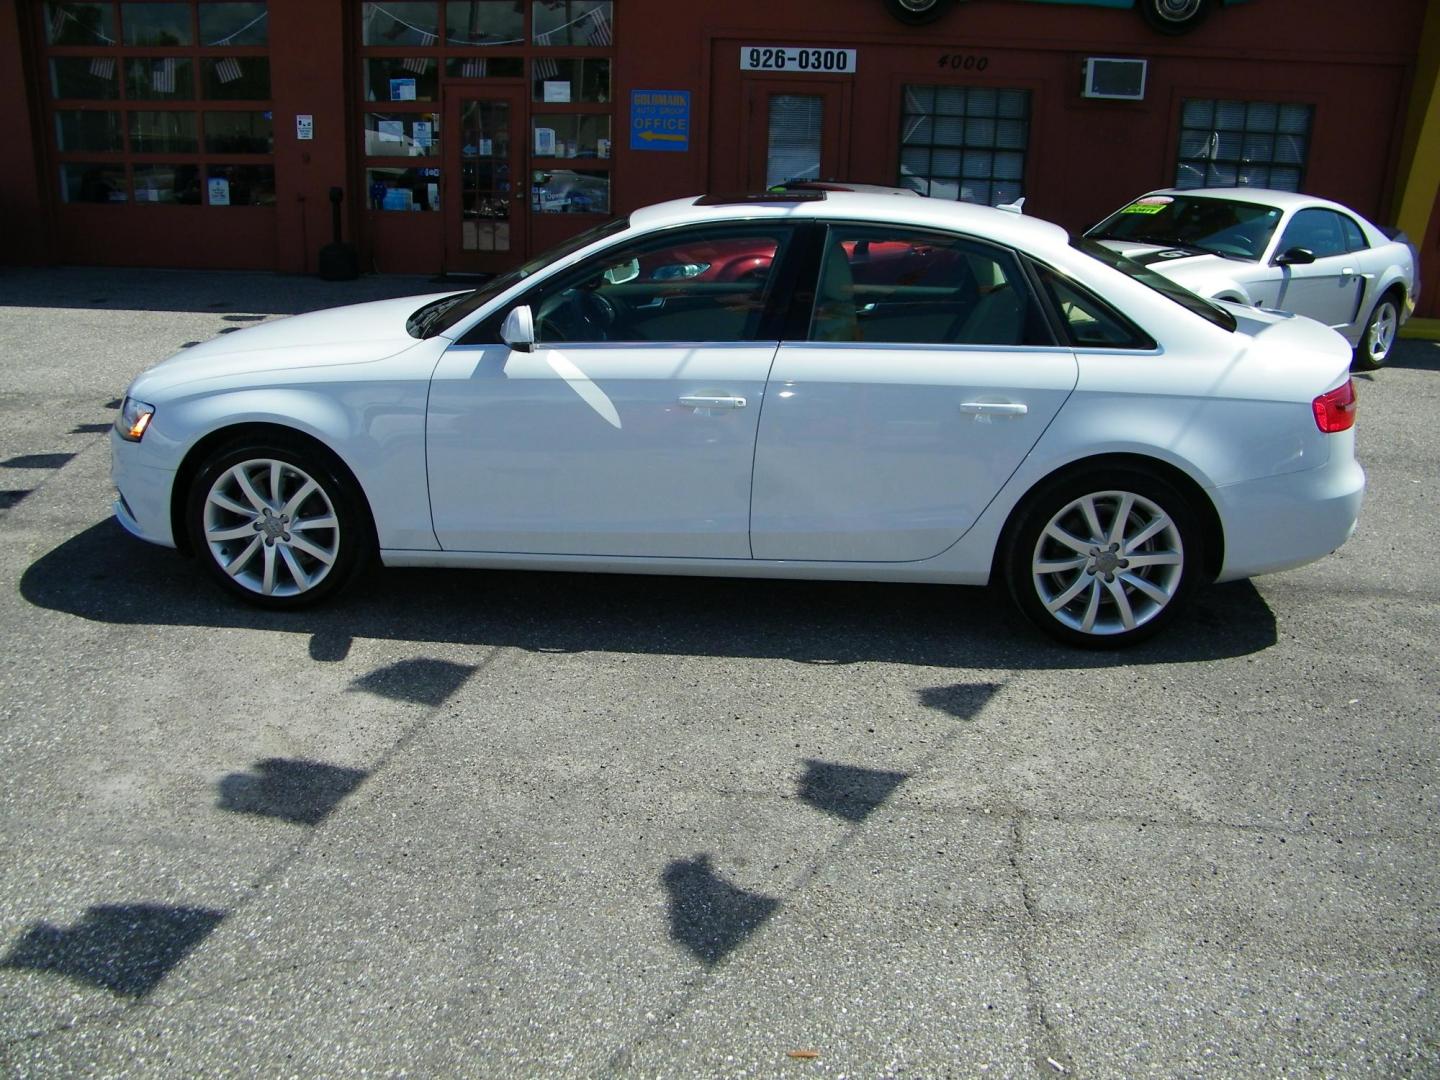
(781, 58)
(1151, 204)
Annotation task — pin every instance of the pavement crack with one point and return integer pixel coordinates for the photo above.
(1047, 1049)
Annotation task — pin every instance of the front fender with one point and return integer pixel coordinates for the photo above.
(376, 428)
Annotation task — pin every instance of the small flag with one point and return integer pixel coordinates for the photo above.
(228, 69)
(473, 68)
(57, 23)
(418, 64)
(162, 75)
(599, 28)
(426, 39)
(545, 68)
(103, 67)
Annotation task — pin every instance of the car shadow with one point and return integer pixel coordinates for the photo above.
(106, 576)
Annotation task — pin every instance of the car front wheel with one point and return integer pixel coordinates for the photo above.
(1379, 337)
(1103, 559)
(277, 524)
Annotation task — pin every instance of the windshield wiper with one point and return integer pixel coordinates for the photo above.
(419, 324)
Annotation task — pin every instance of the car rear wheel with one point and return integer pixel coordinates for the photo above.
(279, 525)
(1174, 16)
(1379, 337)
(1103, 559)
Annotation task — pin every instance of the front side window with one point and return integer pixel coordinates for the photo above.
(901, 286)
(1320, 231)
(965, 143)
(700, 285)
(1243, 144)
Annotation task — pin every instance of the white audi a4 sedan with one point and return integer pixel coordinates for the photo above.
(1276, 249)
(823, 385)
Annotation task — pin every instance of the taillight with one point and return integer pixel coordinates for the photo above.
(1335, 411)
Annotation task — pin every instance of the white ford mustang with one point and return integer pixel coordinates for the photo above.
(1276, 249)
(804, 384)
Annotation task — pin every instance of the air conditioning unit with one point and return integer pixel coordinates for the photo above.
(1115, 79)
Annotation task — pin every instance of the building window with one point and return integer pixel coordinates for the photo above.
(125, 117)
(1243, 144)
(563, 48)
(964, 142)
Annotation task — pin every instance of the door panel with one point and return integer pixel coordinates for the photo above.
(596, 449)
(889, 455)
(1328, 289)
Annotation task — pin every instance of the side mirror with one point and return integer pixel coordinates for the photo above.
(518, 329)
(1295, 256)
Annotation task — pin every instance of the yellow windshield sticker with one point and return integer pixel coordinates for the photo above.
(1143, 208)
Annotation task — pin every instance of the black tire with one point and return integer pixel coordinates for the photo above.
(1174, 16)
(1378, 340)
(265, 540)
(917, 12)
(1173, 557)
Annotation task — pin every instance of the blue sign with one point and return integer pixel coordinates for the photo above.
(659, 119)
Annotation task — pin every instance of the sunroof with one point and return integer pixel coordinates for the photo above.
(761, 197)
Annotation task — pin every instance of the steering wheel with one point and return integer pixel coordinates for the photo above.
(594, 312)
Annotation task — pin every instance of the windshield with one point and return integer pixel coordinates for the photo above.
(438, 316)
(1235, 230)
(1161, 284)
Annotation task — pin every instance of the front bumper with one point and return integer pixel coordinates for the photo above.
(142, 503)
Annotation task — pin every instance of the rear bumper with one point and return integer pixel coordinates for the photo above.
(1280, 522)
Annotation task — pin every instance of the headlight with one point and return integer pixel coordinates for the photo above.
(134, 418)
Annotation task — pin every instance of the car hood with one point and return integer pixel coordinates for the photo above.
(346, 335)
(1204, 274)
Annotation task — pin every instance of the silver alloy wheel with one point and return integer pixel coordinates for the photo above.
(1380, 334)
(1108, 562)
(1178, 11)
(271, 527)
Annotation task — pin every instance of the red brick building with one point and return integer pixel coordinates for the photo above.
(470, 134)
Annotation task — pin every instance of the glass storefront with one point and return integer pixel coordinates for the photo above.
(161, 103)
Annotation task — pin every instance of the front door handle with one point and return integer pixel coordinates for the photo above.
(702, 401)
(995, 408)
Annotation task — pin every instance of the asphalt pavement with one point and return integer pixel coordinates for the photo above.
(537, 825)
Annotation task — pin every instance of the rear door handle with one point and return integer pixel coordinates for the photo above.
(995, 408)
(701, 401)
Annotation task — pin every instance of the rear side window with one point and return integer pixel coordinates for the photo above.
(885, 285)
(1354, 238)
(1088, 321)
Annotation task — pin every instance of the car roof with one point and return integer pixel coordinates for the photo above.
(1281, 200)
(984, 221)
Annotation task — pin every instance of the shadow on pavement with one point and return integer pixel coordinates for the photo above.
(104, 575)
(847, 791)
(708, 915)
(300, 792)
(126, 949)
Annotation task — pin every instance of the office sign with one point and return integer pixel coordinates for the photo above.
(660, 120)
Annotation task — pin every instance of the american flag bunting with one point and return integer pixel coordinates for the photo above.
(228, 69)
(599, 28)
(162, 75)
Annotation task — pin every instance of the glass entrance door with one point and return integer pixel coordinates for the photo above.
(485, 227)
